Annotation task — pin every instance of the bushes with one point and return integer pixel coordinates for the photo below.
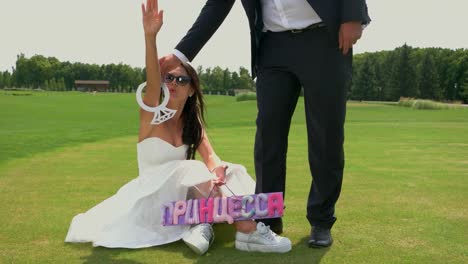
(246, 97)
(423, 104)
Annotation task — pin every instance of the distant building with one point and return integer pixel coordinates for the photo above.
(91, 85)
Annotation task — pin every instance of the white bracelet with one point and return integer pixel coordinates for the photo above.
(212, 171)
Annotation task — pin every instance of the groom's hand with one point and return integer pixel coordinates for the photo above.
(169, 62)
(349, 34)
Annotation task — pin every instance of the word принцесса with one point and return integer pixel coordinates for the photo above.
(223, 209)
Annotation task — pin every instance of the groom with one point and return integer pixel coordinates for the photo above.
(294, 44)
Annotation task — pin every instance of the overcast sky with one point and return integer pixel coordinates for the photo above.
(110, 31)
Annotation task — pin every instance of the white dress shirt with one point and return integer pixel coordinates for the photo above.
(281, 15)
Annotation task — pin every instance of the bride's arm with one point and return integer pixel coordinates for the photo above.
(212, 161)
(152, 22)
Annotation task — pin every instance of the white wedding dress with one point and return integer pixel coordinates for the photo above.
(131, 218)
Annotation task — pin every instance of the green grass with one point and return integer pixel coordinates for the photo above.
(47, 120)
(404, 198)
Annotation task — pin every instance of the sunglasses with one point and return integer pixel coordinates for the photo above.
(180, 80)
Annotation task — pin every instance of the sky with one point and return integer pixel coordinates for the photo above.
(110, 31)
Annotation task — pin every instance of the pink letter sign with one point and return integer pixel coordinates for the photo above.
(223, 209)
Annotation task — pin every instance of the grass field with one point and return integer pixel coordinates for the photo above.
(404, 199)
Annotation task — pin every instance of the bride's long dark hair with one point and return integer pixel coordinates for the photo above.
(193, 114)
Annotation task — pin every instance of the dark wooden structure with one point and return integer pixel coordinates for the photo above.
(91, 85)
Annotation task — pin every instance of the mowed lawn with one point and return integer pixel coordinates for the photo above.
(404, 198)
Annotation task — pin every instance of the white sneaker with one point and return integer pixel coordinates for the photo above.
(262, 240)
(199, 238)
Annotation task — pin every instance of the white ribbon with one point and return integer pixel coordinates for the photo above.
(161, 112)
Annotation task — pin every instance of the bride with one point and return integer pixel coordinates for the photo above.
(168, 172)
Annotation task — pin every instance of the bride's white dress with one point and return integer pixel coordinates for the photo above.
(131, 218)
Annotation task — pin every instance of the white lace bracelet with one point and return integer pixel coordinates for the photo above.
(212, 171)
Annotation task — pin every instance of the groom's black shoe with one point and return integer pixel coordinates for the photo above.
(320, 237)
(276, 224)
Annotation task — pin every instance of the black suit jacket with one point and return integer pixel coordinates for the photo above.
(332, 12)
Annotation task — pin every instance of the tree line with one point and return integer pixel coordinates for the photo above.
(48, 73)
(427, 73)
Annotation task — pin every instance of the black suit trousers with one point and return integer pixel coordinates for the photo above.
(286, 62)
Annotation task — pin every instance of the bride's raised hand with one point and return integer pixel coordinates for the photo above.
(152, 17)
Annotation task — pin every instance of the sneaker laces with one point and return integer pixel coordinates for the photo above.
(266, 232)
(207, 232)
